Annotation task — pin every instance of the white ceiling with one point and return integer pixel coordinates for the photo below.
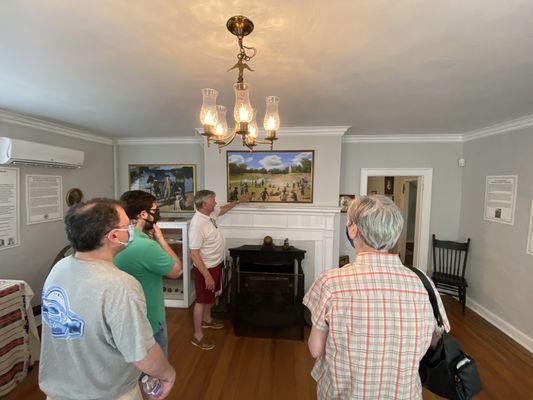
(134, 68)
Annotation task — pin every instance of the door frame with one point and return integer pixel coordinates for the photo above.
(406, 199)
(426, 178)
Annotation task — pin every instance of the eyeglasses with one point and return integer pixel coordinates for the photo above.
(214, 222)
(153, 213)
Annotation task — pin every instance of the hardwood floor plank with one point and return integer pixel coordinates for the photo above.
(241, 368)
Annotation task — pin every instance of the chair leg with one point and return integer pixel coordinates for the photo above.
(463, 300)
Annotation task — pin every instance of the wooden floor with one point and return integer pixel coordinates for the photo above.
(247, 368)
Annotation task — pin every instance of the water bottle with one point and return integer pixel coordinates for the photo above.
(151, 386)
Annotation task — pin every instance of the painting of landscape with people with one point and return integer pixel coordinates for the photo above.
(271, 176)
(173, 185)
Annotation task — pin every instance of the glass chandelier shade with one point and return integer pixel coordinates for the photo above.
(221, 129)
(253, 129)
(271, 122)
(208, 112)
(243, 111)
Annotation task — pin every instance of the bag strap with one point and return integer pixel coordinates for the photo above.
(431, 293)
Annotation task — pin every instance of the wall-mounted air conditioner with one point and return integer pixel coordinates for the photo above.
(15, 151)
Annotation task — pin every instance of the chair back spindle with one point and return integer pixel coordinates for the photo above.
(449, 267)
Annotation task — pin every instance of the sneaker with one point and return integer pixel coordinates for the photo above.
(213, 325)
(204, 344)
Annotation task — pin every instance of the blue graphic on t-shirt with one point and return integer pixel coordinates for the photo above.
(57, 315)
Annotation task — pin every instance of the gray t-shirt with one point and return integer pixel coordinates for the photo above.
(94, 328)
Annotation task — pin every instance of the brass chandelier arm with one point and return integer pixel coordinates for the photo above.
(269, 142)
(227, 140)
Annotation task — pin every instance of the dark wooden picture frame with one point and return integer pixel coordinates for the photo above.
(173, 185)
(280, 176)
(389, 185)
(344, 201)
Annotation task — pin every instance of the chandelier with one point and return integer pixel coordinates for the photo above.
(213, 116)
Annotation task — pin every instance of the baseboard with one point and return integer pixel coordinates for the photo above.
(514, 333)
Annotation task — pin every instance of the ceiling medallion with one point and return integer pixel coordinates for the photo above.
(213, 116)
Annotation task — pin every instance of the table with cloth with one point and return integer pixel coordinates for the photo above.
(19, 339)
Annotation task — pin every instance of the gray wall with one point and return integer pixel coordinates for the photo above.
(159, 154)
(447, 175)
(31, 261)
(500, 272)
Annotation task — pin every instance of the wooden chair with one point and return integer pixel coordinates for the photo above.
(64, 252)
(449, 266)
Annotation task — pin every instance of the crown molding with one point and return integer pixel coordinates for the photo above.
(37, 123)
(429, 138)
(312, 131)
(160, 140)
(302, 131)
(496, 129)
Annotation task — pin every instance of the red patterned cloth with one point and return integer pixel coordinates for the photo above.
(380, 324)
(14, 337)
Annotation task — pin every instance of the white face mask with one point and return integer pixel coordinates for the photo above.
(131, 235)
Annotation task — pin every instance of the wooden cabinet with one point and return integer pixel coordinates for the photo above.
(267, 287)
(178, 292)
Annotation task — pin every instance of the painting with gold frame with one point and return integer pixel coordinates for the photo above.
(173, 185)
(283, 176)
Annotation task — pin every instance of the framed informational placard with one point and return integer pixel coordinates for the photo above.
(530, 236)
(9, 208)
(500, 198)
(44, 198)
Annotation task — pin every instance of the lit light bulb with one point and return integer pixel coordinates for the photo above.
(252, 131)
(219, 131)
(209, 118)
(244, 113)
(271, 124)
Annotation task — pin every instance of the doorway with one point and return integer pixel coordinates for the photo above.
(403, 191)
(410, 189)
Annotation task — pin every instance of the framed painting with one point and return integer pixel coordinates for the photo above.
(389, 185)
(173, 185)
(284, 176)
(344, 201)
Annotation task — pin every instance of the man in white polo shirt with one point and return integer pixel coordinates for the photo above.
(207, 247)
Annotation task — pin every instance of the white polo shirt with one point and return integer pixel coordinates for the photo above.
(205, 236)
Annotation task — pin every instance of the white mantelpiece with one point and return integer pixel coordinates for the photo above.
(319, 225)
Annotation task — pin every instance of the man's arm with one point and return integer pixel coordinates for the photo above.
(155, 364)
(317, 341)
(177, 268)
(244, 199)
(200, 265)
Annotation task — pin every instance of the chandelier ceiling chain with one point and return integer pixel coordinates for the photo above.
(213, 116)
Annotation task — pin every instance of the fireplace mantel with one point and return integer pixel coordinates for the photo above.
(319, 224)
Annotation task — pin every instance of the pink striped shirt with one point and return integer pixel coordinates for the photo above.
(380, 324)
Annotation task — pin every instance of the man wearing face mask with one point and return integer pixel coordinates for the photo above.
(96, 339)
(149, 260)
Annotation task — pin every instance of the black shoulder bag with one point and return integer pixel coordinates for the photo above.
(446, 370)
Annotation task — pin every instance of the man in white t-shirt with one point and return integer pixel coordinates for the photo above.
(207, 247)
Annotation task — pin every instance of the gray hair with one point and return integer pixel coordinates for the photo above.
(378, 220)
(201, 196)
